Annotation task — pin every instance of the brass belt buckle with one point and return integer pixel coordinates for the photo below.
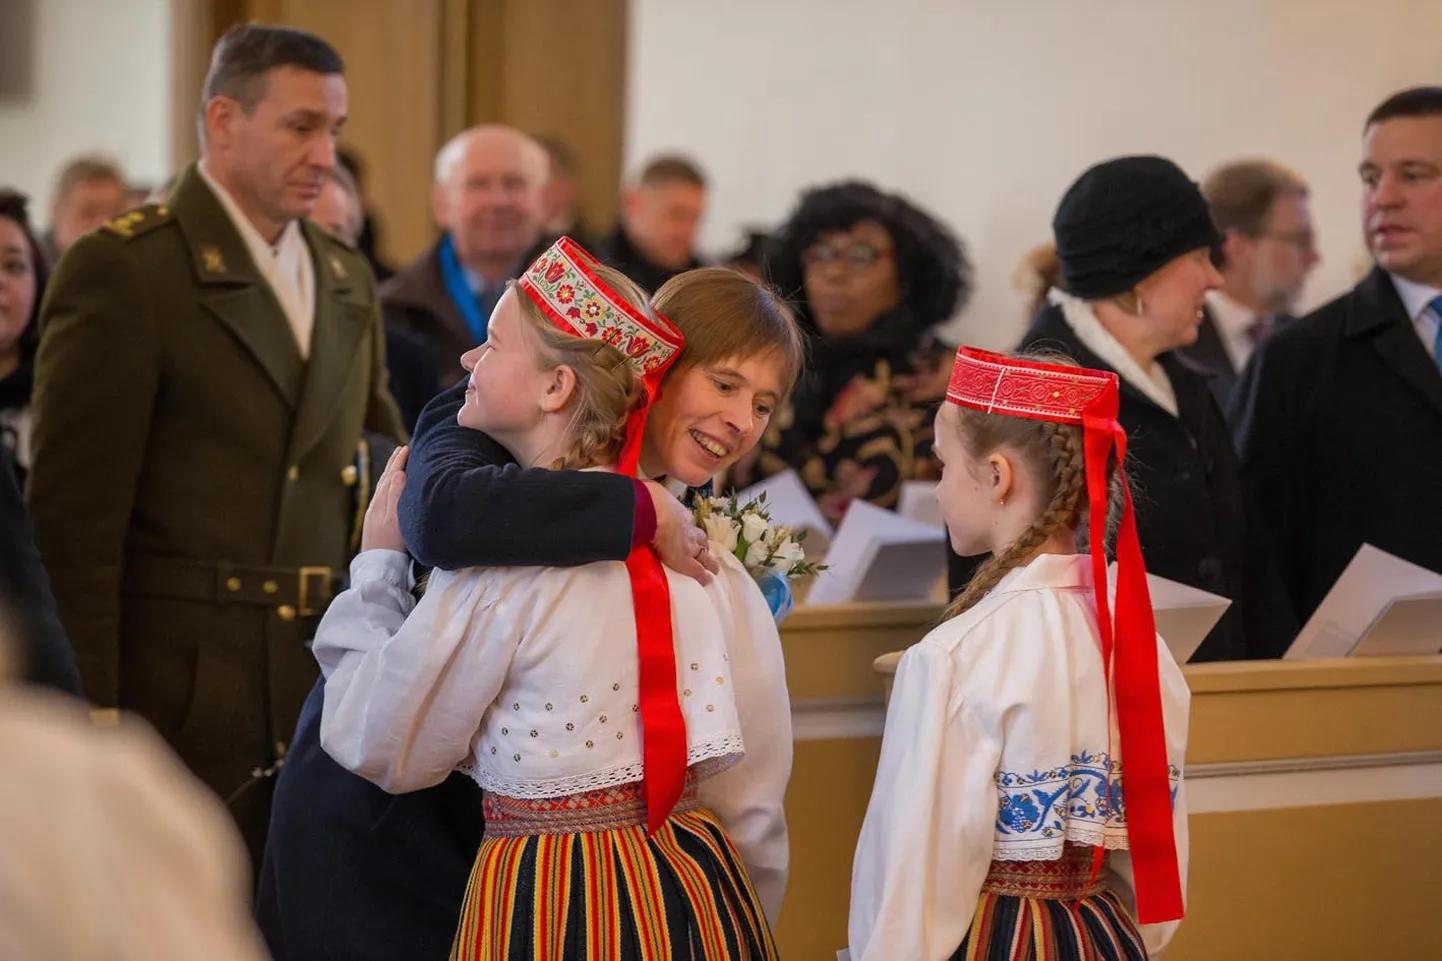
(306, 573)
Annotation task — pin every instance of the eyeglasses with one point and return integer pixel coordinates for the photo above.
(1304, 240)
(856, 256)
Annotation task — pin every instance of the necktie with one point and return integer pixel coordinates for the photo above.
(1436, 307)
(1257, 329)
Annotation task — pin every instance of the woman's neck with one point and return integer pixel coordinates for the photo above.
(1122, 327)
(9, 362)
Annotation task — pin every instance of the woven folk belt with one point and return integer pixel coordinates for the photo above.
(292, 591)
(606, 809)
(1066, 879)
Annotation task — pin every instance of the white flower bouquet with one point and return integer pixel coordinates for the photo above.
(747, 532)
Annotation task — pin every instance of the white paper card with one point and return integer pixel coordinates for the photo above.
(791, 504)
(1184, 615)
(1363, 599)
(918, 502)
(878, 555)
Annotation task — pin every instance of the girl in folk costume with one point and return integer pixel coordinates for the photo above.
(1028, 803)
(633, 805)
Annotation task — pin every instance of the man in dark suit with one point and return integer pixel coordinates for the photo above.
(207, 369)
(487, 197)
(1339, 416)
(1268, 250)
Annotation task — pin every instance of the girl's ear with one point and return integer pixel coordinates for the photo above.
(1000, 475)
(560, 388)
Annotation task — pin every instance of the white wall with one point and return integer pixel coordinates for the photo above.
(985, 110)
(101, 83)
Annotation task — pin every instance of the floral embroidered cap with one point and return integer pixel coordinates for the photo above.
(997, 384)
(564, 284)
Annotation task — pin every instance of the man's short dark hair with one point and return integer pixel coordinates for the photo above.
(86, 169)
(564, 160)
(671, 169)
(1416, 102)
(248, 52)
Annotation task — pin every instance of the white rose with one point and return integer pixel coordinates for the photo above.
(722, 530)
(753, 528)
(788, 555)
(756, 554)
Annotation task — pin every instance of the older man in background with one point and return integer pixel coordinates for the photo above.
(488, 199)
(1262, 210)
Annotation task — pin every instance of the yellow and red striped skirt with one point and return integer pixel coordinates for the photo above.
(577, 879)
(1050, 911)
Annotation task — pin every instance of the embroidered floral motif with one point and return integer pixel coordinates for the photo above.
(1082, 799)
(564, 285)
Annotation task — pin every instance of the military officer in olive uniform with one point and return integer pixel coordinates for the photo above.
(207, 369)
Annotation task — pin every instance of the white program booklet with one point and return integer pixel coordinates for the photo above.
(918, 502)
(878, 555)
(1184, 615)
(791, 504)
(1380, 606)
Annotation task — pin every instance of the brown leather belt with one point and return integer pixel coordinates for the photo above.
(292, 591)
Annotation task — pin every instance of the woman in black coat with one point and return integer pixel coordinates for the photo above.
(1133, 239)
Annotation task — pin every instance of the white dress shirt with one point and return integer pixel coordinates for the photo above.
(997, 747)
(527, 679)
(1417, 299)
(1234, 324)
(286, 265)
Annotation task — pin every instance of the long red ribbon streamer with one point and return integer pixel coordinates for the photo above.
(1146, 779)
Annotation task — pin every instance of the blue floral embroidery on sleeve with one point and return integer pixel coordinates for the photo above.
(1042, 803)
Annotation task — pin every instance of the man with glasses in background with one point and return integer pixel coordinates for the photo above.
(1262, 210)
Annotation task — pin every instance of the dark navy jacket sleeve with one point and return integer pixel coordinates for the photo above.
(27, 608)
(467, 503)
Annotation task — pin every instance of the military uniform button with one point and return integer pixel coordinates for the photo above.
(285, 612)
(348, 475)
(232, 584)
(293, 474)
(270, 587)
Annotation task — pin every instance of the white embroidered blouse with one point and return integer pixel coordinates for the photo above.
(526, 678)
(997, 746)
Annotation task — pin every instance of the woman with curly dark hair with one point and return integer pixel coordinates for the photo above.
(873, 276)
(22, 286)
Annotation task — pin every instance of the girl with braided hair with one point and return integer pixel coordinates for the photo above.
(1002, 823)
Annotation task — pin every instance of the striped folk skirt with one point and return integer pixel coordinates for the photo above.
(1050, 911)
(577, 879)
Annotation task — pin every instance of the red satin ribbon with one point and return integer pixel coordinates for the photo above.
(663, 727)
(1146, 780)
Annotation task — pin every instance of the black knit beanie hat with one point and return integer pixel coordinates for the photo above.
(1124, 219)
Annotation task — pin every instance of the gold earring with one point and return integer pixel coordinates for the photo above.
(1001, 501)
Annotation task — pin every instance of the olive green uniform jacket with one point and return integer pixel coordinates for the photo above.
(195, 486)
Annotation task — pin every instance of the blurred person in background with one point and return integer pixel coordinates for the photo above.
(90, 190)
(874, 276)
(368, 238)
(113, 851)
(413, 378)
(1267, 251)
(487, 198)
(661, 214)
(561, 196)
(23, 272)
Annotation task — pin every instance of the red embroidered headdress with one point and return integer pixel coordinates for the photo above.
(997, 384)
(564, 284)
